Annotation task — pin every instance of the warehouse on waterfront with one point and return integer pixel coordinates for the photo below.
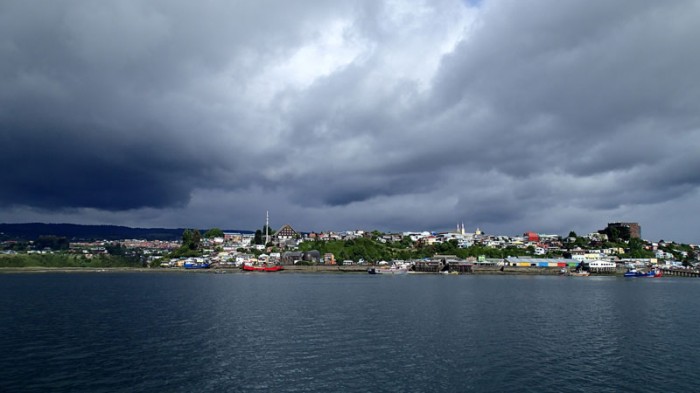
(540, 262)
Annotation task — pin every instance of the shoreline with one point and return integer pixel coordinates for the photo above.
(477, 270)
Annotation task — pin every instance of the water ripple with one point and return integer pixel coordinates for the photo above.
(310, 333)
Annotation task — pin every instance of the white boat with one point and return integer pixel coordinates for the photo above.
(394, 269)
(575, 273)
(581, 273)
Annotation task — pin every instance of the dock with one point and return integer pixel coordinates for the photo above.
(680, 272)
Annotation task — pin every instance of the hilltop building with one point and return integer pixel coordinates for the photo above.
(623, 230)
(531, 237)
(286, 233)
(460, 229)
(286, 236)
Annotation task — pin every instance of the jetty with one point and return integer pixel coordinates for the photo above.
(680, 272)
(442, 265)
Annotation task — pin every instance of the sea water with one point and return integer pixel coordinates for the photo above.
(189, 332)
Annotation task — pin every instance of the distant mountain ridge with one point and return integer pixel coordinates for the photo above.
(31, 231)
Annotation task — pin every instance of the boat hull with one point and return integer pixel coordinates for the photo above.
(196, 266)
(249, 268)
(642, 274)
(374, 270)
(579, 274)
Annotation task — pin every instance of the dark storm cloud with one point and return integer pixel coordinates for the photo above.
(107, 106)
(396, 114)
(54, 167)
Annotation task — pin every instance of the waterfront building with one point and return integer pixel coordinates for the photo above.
(540, 262)
(329, 259)
(600, 266)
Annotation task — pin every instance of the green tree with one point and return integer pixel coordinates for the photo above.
(635, 244)
(258, 238)
(581, 242)
(691, 258)
(191, 244)
(191, 239)
(213, 232)
(265, 231)
(196, 240)
(405, 242)
(115, 249)
(186, 237)
(635, 249)
(52, 242)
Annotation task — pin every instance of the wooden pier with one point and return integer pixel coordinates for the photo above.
(434, 266)
(680, 273)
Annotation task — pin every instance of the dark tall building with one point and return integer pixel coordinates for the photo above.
(623, 230)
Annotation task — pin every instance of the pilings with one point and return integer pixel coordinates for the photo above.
(680, 273)
(439, 266)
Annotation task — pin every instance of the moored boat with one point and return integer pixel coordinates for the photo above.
(263, 265)
(581, 273)
(196, 265)
(637, 273)
(249, 267)
(390, 270)
(575, 273)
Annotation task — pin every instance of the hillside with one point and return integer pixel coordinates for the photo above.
(31, 231)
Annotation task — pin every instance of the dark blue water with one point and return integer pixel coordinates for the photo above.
(156, 332)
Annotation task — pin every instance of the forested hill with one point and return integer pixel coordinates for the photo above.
(32, 231)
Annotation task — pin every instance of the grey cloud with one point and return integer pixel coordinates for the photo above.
(106, 105)
(502, 113)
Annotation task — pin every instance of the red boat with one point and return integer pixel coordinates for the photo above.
(261, 268)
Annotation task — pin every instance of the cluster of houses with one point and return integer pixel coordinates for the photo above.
(234, 248)
(287, 238)
(147, 248)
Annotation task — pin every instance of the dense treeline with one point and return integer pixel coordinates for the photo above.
(51, 242)
(191, 244)
(31, 231)
(370, 250)
(355, 250)
(65, 260)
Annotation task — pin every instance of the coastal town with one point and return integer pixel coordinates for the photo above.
(615, 249)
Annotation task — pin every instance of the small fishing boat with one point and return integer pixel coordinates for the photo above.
(394, 269)
(581, 273)
(576, 273)
(196, 265)
(637, 273)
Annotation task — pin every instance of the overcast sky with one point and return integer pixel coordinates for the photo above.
(509, 116)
